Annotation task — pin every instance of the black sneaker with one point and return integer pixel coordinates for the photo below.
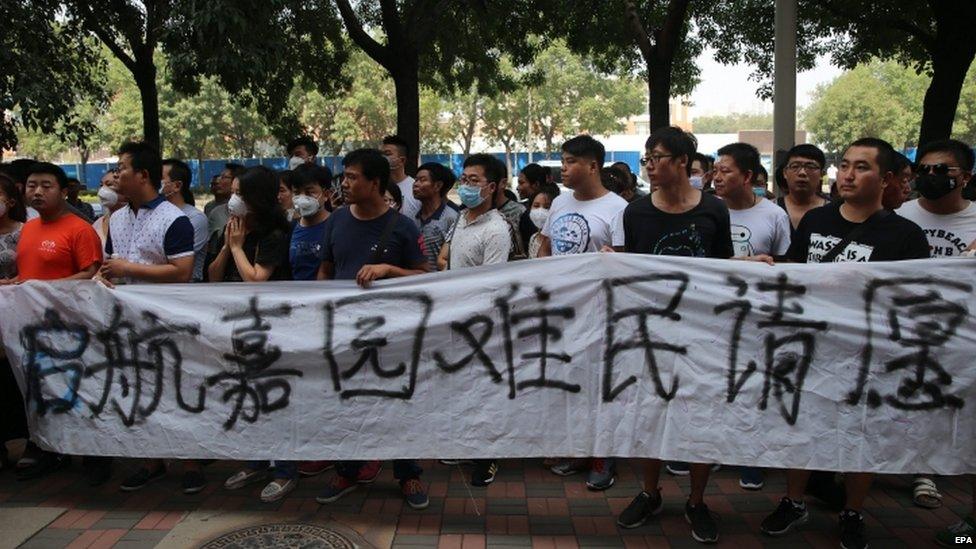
(141, 478)
(786, 516)
(703, 527)
(193, 482)
(642, 508)
(45, 464)
(852, 530)
(484, 472)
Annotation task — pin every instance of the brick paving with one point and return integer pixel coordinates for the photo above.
(526, 507)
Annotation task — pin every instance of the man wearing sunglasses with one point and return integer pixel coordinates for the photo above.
(949, 220)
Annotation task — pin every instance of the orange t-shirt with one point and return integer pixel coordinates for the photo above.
(59, 249)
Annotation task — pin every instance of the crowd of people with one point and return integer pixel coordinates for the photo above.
(376, 222)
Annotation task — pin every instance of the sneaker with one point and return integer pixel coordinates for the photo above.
(31, 454)
(141, 478)
(193, 482)
(703, 526)
(852, 530)
(313, 468)
(569, 467)
(601, 474)
(786, 516)
(244, 477)
(44, 464)
(751, 478)
(716, 467)
(484, 472)
(455, 461)
(963, 529)
(277, 489)
(338, 487)
(415, 493)
(678, 469)
(368, 472)
(642, 508)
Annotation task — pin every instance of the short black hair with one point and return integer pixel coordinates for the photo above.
(74, 180)
(310, 173)
(549, 189)
(885, 156)
(536, 174)
(304, 141)
(49, 169)
(495, 170)
(901, 162)
(373, 165)
(180, 171)
(761, 170)
(584, 146)
(703, 159)
(806, 150)
(745, 156)
(440, 172)
(397, 195)
(19, 169)
(236, 170)
(676, 141)
(614, 180)
(961, 151)
(146, 158)
(399, 142)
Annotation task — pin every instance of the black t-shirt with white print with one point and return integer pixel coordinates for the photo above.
(703, 231)
(890, 238)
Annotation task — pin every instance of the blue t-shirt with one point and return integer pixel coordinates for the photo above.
(305, 251)
(350, 243)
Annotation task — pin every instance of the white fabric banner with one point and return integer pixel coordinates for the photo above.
(848, 367)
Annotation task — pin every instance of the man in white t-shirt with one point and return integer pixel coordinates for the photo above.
(580, 222)
(949, 220)
(176, 188)
(759, 226)
(395, 149)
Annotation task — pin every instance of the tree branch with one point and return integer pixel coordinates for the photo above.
(927, 39)
(362, 38)
(93, 25)
(637, 31)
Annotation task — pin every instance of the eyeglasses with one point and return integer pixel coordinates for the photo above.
(805, 166)
(937, 169)
(655, 158)
(473, 181)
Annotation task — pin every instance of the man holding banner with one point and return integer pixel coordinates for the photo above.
(859, 229)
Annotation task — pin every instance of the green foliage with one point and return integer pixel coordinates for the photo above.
(732, 123)
(882, 99)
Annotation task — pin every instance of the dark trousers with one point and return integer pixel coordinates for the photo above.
(13, 418)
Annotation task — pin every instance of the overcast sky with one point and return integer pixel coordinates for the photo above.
(726, 88)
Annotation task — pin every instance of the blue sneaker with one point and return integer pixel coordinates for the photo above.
(601, 474)
(751, 478)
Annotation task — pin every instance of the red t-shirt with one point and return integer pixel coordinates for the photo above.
(59, 249)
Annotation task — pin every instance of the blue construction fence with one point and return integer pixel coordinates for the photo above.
(201, 179)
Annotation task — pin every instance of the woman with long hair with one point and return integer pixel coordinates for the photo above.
(254, 248)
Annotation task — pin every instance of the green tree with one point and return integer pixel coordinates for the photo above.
(732, 123)
(446, 46)
(464, 113)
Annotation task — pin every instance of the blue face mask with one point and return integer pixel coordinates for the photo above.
(470, 196)
(759, 191)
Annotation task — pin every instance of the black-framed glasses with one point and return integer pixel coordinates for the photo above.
(937, 169)
(655, 158)
(805, 166)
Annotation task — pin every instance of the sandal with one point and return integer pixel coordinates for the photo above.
(926, 494)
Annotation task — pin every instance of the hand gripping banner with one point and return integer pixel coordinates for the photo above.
(848, 367)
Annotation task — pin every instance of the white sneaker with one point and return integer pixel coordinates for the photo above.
(243, 477)
(277, 489)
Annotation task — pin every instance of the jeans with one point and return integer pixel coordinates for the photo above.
(279, 469)
(403, 469)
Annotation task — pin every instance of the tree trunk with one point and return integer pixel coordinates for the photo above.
(83, 154)
(950, 61)
(659, 93)
(408, 112)
(145, 78)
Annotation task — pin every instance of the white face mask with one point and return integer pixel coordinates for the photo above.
(306, 205)
(539, 216)
(295, 162)
(696, 181)
(236, 206)
(108, 197)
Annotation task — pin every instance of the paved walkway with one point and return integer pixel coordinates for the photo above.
(526, 507)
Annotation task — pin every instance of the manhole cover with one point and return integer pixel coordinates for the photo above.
(304, 536)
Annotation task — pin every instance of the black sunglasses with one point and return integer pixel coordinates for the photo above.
(937, 169)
